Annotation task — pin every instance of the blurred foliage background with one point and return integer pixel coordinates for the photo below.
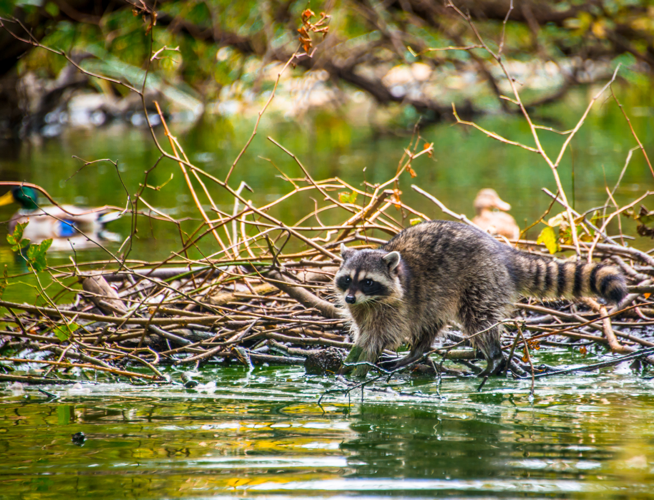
(228, 53)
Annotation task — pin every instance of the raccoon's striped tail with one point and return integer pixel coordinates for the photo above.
(538, 276)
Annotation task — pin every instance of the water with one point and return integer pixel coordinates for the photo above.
(464, 161)
(263, 436)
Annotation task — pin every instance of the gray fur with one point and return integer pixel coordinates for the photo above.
(439, 272)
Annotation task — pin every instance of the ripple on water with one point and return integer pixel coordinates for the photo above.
(588, 436)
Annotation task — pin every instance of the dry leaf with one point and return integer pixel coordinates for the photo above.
(307, 28)
(306, 15)
(396, 198)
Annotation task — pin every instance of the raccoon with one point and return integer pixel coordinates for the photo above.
(439, 272)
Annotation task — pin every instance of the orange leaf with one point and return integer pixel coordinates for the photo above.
(306, 15)
(305, 39)
(396, 198)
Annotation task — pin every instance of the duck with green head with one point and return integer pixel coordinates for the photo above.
(63, 223)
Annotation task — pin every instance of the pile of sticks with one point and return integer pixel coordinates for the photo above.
(268, 306)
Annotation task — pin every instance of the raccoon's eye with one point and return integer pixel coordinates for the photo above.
(343, 282)
(368, 282)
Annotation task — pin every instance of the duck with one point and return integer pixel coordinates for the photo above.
(495, 222)
(68, 226)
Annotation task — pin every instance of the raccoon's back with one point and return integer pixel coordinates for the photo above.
(446, 243)
(448, 258)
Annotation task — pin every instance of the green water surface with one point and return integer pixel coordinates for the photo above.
(262, 435)
(328, 145)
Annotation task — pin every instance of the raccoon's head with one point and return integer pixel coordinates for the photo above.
(368, 276)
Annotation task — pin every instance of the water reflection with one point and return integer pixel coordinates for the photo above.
(582, 436)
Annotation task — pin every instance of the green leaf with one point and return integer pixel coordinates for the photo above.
(348, 197)
(19, 230)
(36, 255)
(52, 9)
(46, 244)
(16, 241)
(63, 332)
(548, 237)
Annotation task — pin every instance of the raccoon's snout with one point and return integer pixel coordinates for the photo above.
(350, 299)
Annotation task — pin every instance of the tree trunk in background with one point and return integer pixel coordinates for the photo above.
(38, 22)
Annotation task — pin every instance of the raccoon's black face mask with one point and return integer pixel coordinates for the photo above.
(366, 275)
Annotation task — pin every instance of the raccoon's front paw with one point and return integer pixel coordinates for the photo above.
(352, 357)
(361, 371)
(355, 369)
(358, 362)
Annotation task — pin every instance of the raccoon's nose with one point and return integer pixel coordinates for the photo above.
(350, 299)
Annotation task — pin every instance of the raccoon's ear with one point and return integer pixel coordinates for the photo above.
(346, 252)
(392, 260)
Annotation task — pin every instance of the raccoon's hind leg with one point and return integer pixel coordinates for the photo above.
(488, 343)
